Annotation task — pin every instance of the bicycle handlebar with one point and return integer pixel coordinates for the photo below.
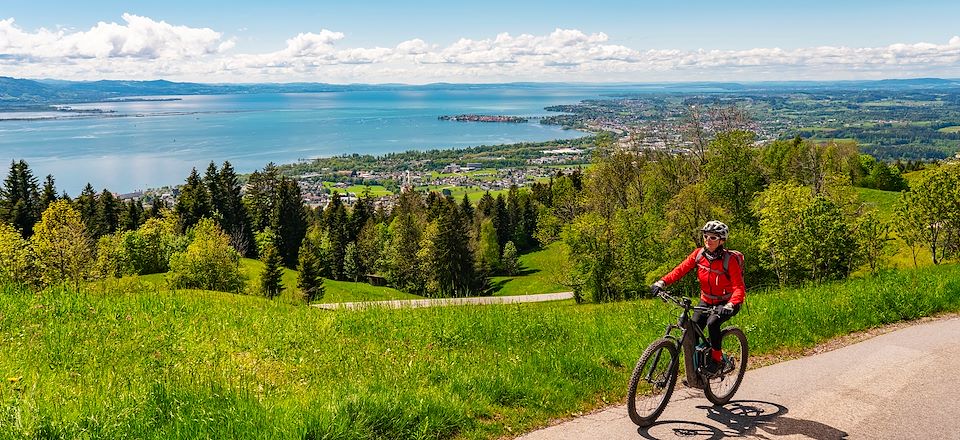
(684, 302)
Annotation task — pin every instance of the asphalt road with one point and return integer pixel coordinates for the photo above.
(900, 385)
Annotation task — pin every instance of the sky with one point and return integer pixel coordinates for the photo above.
(478, 41)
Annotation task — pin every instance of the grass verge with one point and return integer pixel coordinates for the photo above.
(126, 359)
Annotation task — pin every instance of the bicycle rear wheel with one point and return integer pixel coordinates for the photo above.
(720, 389)
(652, 382)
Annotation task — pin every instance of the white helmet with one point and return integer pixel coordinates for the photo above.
(716, 227)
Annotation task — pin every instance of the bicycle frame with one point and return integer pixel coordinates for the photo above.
(687, 341)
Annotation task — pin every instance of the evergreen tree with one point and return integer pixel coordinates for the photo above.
(156, 208)
(271, 279)
(108, 215)
(131, 215)
(49, 193)
(234, 218)
(467, 208)
(309, 279)
(351, 266)
(20, 198)
(262, 187)
(335, 218)
(487, 205)
(510, 262)
(446, 259)
(289, 221)
(193, 202)
(362, 211)
(403, 269)
(86, 204)
(501, 221)
(211, 181)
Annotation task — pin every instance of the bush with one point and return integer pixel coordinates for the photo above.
(209, 261)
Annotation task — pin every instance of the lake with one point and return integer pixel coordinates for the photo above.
(151, 143)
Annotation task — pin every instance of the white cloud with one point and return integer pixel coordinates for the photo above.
(143, 48)
(139, 37)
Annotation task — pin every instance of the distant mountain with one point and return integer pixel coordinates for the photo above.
(24, 93)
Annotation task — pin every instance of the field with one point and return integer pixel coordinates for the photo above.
(126, 359)
(539, 274)
(950, 129)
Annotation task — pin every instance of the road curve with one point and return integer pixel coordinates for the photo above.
(437, 302)
(899, 385)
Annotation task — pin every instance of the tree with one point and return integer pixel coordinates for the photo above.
(351, 266)
(193, 203)
(338, 232)
(309, 279)
(733, 177)
(908, 224)
(49, 193)
(150, 247)
(873, 238)
(234, 218)
(489, 251)
(934, 203)
(16, 257)
(61, 245)
(112, 257)
(108, 215)
(261, 195)
(401, 261)
(20, 198)
(131, 215)
(445, 256)
(271, 278)
(209, 262)
(289, 221)
(511, 264)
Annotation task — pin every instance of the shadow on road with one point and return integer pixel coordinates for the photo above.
(743, 418)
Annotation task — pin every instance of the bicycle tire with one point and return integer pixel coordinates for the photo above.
(720, 389)
(657, 367)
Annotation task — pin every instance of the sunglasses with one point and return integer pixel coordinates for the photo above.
(711, 237)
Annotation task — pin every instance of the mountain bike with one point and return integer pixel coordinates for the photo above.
(655, 375)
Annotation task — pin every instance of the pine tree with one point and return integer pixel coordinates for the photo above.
(20, 198)
(156, 208)
(501, 221)
(262, 187)
(362, 211)
(211, 181)
(108, 216)
(193, 202)
(289, 221)
(49, 193)
(445, 256)
(233, 213)
(86, 204)
(335, 218)
(467, 208)
(271, 279)
(309, 279)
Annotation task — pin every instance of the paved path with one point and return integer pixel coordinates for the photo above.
(900, 385)
(413, 303)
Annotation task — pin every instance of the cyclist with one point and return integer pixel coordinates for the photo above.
(720, 272)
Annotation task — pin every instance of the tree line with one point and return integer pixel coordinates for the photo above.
(790, 205)
(427, 244)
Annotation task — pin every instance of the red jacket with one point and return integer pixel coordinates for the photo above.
(715, 288)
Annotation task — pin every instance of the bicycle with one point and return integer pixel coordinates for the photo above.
(656, 372)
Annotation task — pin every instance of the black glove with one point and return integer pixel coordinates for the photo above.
(656, 288)
(725, 311)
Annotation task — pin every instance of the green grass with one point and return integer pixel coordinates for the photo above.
(125, 359)
(950, 129)
(884, 201)
(358, 190)
(336, 291)
(539, 274)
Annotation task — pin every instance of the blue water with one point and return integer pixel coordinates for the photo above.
(154, 143)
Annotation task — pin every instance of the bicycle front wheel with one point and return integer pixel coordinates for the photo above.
(652, 382)
(720, 388)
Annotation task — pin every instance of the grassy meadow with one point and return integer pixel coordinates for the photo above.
(128, 359)
(539, 273)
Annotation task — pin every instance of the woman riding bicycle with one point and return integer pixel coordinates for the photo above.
(720, 272)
